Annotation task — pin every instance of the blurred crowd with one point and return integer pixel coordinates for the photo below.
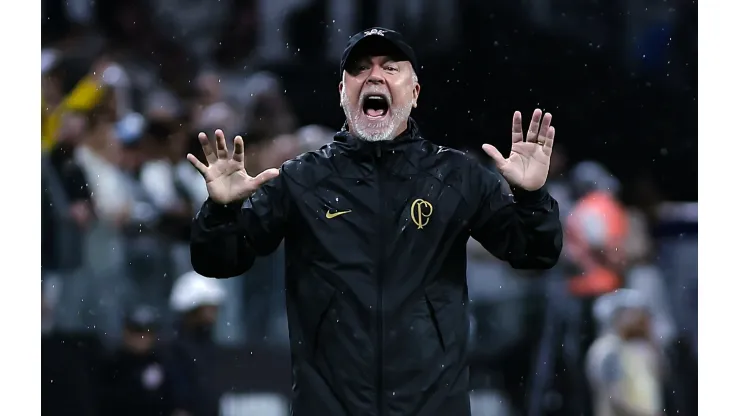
(128, 328)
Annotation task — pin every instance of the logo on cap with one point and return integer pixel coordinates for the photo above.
(378, 32)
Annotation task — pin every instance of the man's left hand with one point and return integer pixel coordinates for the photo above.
(529, 161)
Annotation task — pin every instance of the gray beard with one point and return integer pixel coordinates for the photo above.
(371, 131)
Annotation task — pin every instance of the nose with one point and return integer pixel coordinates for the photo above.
(376, 76)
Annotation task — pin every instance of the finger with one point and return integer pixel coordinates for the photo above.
(207, 148)
(534, 126)
(497, 157)
(544, 128)
(264, 177)
(221, 150)
(516, 128)
(549, 141)
(197, 164)
(238, 149)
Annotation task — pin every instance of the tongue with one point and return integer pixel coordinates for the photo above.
(374, 113)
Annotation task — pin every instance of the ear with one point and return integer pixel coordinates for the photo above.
(341, 87)
(415, 94)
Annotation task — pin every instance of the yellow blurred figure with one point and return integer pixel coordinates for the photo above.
(83, 97)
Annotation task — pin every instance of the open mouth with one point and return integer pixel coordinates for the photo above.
(375, 106)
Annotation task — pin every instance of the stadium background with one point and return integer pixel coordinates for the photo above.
(619, 77)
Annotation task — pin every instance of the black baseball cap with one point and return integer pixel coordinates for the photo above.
(375, 39)
(142, 318)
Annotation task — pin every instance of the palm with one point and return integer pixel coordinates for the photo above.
(226, 178)
(226, 182)
(529, 162)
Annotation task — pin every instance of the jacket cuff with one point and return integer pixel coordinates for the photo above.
(525, 197)
(214, 214)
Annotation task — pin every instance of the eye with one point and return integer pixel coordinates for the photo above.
(391, 68)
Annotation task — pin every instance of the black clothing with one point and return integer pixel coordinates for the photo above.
(70, 173)
(63, 183)
(69, 371)
(192, 360)
(134, 384)
(375, 238)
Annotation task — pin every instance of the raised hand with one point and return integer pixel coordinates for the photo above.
(529, 162)
(226, 178)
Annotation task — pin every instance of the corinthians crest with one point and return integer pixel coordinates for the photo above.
(375, 32)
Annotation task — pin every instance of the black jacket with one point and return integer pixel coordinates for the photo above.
(192, 361)
(135, 384)
(375, 237)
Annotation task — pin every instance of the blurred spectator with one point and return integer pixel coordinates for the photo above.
(596, 232)
(594, 260)
(645, 277)
(55, 101)
(134, 152)
(172, 184)
(72, 177)
(67, 210)
(624, 365)
(86, 94)
(133, 379)
(162, 105)
(272, 152)
(211, 108)
(68, 364)
(148, 256)
(99, 155)
(313, 137)
(269, 113)
(113, 155)
(193, 353)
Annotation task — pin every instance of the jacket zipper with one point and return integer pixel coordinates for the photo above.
(379, 278)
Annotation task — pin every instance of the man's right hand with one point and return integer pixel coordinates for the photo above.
(226, 178)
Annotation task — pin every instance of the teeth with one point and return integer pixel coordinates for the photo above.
(374, 97)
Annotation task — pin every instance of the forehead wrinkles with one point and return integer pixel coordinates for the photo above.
(371, 60)
(381, 59)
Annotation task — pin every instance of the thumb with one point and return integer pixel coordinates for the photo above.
(264, 177)
(497, 157)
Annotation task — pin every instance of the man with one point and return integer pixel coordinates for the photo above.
(193, 354)
(134, 381)
(69, 360)
(624, 366)
(67, 209)
(375, 226)
(597, 228)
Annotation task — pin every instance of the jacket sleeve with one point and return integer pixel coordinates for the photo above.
(520, 227)
(226, 238)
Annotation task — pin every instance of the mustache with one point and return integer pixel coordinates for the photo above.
(376, 91)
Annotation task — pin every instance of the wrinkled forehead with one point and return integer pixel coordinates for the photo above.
(374, 47)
